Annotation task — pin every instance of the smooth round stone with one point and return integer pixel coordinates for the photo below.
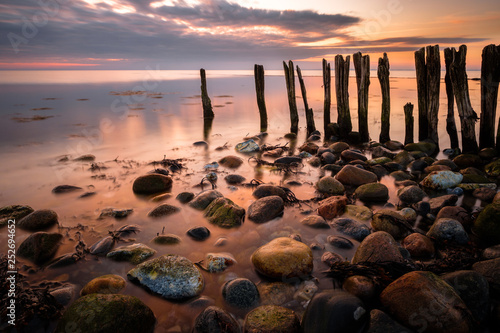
(106, 284)
(329, 185)
(409, 214)
(134, 253)
(338, 147)
(328, 158)
(315, 221)
(315, 161)
(185, 197)
(331, 258)
(350, 227)
(224, 213)
(240, 293)
(391, 221)
(168, 239)
(163, 210)
(350, 155)
(269, 190)
(484, 194)
(487, 225)
(214, 319)
(378, 247)
(265, 209)
(203, 199)
(231, 162)
(199, 233)
(332, 207)
(351, 175)
(441, 180)
(381, 151)
(151, 184)
(13, 212)
(340, 242)
(419, 246)
(234, 179)
(359, 212)
(360, 286)
(40, 247)
(38, 220)
(373, 192)
(271, 319)
(309, 147)
(448, 230)
(411, 194)
(492, 252)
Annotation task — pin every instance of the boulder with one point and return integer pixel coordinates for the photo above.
(329, 185)
(271, 319)
(449, 230)
(404, 158)
(372, 192)
(171, 276)
(225, 213)
(351, 175)
(231, 161)
(350, 227)
(106, 284)
(240, 293)
(381, 151)
(360, 286)
(152, 183)
(309, 147)
(394, 145)
(134, 253)
(265, 209)
(457, 213)
(214, 319)
(411, 194)
(441, 180)
(332, 207)
(378, 247)
(40, 247)
(283, 257)
(331, 258)
(338, 147)
(38, 220)
(203, 199)
(163, 210)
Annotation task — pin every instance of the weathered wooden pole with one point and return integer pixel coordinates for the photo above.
(421, 73)
(290, 88)
(362, 69)
(468, 116)
(451, 127)
(259, 89)
(341, 89)
(383, 77)
(309, 112)
(408, 109)
(433, 65)
(490, 76)
(327, 77)
(205, 100)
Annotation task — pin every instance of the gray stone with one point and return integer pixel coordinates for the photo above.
(265, 209)
(448, 230)
(411, 194)
(315, 221)
(240, 293)
(350, 227)
(203, 199)
(329, 185)
(441, 180)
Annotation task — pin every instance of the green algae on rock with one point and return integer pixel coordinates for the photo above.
(272, 319)
(224, 213)
(134, 253)
(106, 284)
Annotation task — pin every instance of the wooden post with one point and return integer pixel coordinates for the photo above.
(451, 127)
(433, 65)
(309, 112)
(259, 89)
(290, 88)
(341, 89)
(207, 104)
(408, 108)
(383, 77)
(327, 77)
(468, 117)
(490, 76)
(421, 74)
(362, 68)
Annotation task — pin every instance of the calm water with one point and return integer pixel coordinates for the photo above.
(85, 116)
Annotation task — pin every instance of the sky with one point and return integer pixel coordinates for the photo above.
(226, 34)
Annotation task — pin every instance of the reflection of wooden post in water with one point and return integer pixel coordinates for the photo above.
(259, 88)
(290, 88)
(468, 117)
(341, 89)
(433, 65)
(408, 108)
(309, 112)
(490, 76)
(383, 77)
(451, 127)
(327, 77)
(207, 128)
(362, 68)
(207, 104)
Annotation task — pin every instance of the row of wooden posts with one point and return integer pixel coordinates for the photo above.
(428, 75)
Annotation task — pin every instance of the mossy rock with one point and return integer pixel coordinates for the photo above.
(493, 168)
(427, 147)
(487, 224)
(107, 313)
(379, 160)
(168, 239)
(360, 212)
(134, 253)
(329, 185)
(106, 284)
(475, 179)
(13, 212)
(272, 319)
(373, 192)
(225, 213)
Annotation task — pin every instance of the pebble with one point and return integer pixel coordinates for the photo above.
(199, 233)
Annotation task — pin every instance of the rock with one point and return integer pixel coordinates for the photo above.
(359, 212)
(329, 185)
(13, 212)
(427, 147)
(199, 233)
(468, 160)
(231, 162)
(473, 289)
(246, 147)
(151, 184)
(103, 246)
(497, 197)
(394, 145)
(265, 209)
(488, 153)
(163, 210)
(435, 168)
(455, 212)
(168, 239)
(275, 293)
(448, 163)
(38, 220)
(448, 230)
(351, 175)
(489, 269)
(288, 160)
(381, 151)
(274, 152)
(378, 247)
(200, 144)
(328, 158)
(106, 284)
(40, 247)
(218, 262)
(340, 242)
(315, 221)
(491, 252)
(224, 213)
(334, 168)
(422, 208)
(351, 155)
(391, 222)
(332, 207)
(493, 169)
(134, 253)
(290, 136)
(400, 175)
(315, 162)
(65, 189)
(161, 197)
(360, 286)
(116, 213)
(350, 227)
(240, 293)
(203, 199)
(484, 194)
(436, 204)
(334, 311)
(372, 192)
(404, 158)
(419, 246)
(379, 160)
(380, 322)
(85, 158)
(434, 305)
(418, 166)
(441, 180)
(171, 276)
(283, 257)
(267, 190)
(234, 179)
(409, 214)
(185, 197)
(331, 258)
(214, 320)
(309, 147)
(338, 147)
(271, 319)
(109, 313)
(64, 294)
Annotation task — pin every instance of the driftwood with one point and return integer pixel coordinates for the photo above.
(383, 77)
(259, 89)
(309, 112)
(207, 104)
(421, 74)
(290, 88)
(341, 89)
(408, 109)
(327, 77)
(433, 65)
(490, 76)
(468, 116)
(362, 68)
(451, 127)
